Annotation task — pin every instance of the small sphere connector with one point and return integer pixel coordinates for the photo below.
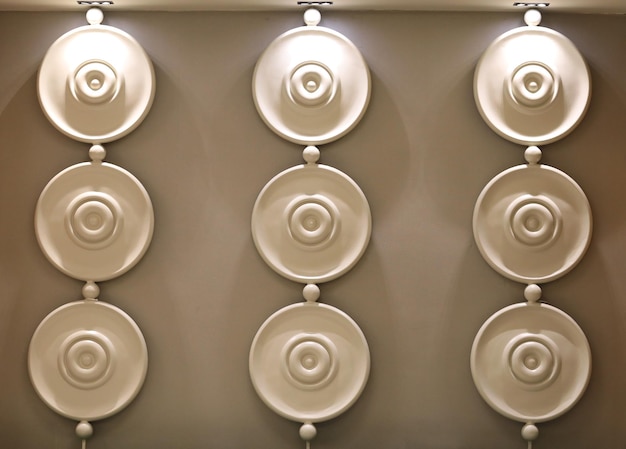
(532, 17)
(311, 292)
(307, 431)
(532, 293)
(97, 153)
(312, 17)
(94, 16)
(532, 155)
(311, 154)
(84, 430)
(530, 432)
(91, 290)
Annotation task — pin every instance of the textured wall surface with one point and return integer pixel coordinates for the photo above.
(421, 154)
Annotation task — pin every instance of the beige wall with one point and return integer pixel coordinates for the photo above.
(421, 154)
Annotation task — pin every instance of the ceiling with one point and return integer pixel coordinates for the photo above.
(575, 6)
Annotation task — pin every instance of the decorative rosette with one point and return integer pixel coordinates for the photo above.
(87, 360)
(96, 83)
(94, 220)
(531, 85)
(532, 223)
(311, 223)
(530, 361)
(311, 85)
(309, 362)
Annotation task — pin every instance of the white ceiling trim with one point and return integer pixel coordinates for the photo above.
(575, 6)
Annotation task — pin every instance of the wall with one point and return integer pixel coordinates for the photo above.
(421, 154)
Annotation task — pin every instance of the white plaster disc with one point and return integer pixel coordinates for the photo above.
(311, 223)
(309, 362)
(87, 360)
(532, 86)
(531, 362)
(311, 85)
(96, 83)
(94, 221)
(532, 223)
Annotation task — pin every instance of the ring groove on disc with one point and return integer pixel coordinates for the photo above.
(311, 85)
(532, 223)
(532, 86)
(87, 360)
(94, 221)
(531, 362)
(311, 223)
(309, 362)
(96, 84)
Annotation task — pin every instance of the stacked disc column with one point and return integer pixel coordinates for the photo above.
(532, 223)
(88, 359)
(309, 361)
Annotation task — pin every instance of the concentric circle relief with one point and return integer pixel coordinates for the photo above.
(531, 362)
(96, 83)
(309, 362)
(532, 223)
(94, 221)
(87, 360)
(311, 223)
(311, 85)
(532, 86)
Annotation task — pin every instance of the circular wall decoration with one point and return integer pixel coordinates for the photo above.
(532, 86)
(87, 360)
(94, 221)
(309, 362)
(531, 362)
(311, 85)
(532, 223)
(96, 84)
(311, 223)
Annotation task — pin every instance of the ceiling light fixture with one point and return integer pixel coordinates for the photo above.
(94, 3)
(314, 3)
(531, 5)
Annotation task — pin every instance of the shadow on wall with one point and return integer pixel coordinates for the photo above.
(376, 149)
